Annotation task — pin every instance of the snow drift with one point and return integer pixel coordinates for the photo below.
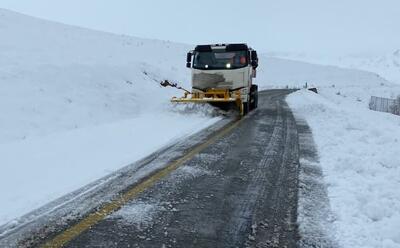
(78, 104)
(358, 148)
(358, 151)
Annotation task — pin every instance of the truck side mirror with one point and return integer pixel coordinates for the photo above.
(189, 60)
(254, 59)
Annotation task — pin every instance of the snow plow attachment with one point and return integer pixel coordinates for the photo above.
(212, 95)
(221, 98)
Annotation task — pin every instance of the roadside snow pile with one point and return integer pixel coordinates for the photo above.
(358, 148)
(40, 170)
(359, 154)
(78, 104)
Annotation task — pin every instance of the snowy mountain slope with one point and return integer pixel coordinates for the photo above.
(94, 77)
(386, 64)
(55, 77)
(275, 72)
(78, 104)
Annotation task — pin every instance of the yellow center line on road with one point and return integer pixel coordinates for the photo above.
(92, 219)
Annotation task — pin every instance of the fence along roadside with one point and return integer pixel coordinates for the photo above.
(382, 104)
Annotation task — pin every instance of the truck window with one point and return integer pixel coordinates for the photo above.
(220, 60)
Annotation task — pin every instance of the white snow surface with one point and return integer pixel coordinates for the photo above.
(359, 154)
(384, 63)
(78, 104)
(358, 148)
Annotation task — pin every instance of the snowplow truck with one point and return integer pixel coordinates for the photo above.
(222, 75)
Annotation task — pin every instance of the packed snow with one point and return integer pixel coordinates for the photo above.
(137, 213)
(358, 151)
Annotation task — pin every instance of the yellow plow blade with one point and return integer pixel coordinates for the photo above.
(202, 100)
(212, 96)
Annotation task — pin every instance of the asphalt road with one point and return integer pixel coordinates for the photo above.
(239, 192)
(237, 187)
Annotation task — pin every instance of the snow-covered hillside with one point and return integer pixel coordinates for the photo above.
(78, 104)
(386, 65)
(55, 77)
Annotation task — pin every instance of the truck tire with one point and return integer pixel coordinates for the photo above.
(253, 97)
(256, 100)
(246, 108)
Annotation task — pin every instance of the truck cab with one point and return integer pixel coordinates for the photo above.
(229, 67)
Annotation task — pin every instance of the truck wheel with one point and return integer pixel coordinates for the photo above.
(256, 100)
(253, 96)
(246, 108)
(251, 101)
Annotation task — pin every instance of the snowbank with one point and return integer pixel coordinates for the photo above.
(359, 154)
(78, 104)
(358, 148)
(43, 169)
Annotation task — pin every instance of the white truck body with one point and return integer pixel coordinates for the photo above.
(226, 76)
(222, 75)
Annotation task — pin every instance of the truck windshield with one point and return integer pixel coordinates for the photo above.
(220, 60)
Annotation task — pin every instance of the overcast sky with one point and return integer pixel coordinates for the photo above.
(334, 26)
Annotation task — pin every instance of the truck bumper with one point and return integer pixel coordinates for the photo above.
(212, 96)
